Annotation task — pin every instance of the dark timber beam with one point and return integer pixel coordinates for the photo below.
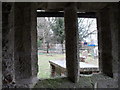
(61, 14)
(71, 31)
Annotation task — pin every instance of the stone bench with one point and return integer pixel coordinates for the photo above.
(59, 67)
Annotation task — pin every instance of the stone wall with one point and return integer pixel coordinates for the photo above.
(7, 44)
(108, 27)
(0, 45)
(114, 17)
(22, 28)
(104, 42)
(19, 46)
(25, 40)
(108, 39)
(34, 47)
(119, 48)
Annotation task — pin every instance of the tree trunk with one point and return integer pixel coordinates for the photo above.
(80, 44)
(62, 48)
(47, 47)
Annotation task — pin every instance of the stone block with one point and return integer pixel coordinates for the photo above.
(106, 84)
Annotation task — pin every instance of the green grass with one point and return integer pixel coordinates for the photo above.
(43, 63)
(84, 82)
(44, 66)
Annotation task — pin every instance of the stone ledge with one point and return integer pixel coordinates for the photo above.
(106, 84)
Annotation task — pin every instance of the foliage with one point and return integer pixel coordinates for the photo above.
(44, 30)
(58, 29)
(51, 30)
(39, 43)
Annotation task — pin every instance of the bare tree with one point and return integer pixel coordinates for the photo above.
(44, 31)
(52, 29)
(85, 28)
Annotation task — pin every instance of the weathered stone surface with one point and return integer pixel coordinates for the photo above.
(106, 84)
(19, 48)
(109, 25)
(85, 82)
(22, 41)
(105, 42)
(7, 45)
(119, 48)
(109, 52)
(34, 57)
(114, 23)
(25, 40)
(19, 43)
(71, 31)
(0, 45)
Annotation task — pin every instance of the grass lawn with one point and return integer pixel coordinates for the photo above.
(44, 66)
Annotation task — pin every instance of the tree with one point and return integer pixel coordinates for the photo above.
(52, 29)
(86, 27)
(57, 26)
(44, 31)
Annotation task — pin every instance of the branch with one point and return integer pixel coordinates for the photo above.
(88, 34)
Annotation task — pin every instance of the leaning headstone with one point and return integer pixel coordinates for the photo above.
(85, 53)
(95, 52)
(59, 48)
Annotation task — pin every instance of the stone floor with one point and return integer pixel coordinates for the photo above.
(84, 82)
